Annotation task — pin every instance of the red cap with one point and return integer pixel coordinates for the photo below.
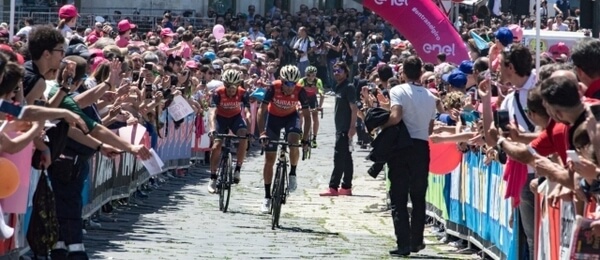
(68, 11)
(20, 58)
(124, 25)
(92, 38)
(557, 49)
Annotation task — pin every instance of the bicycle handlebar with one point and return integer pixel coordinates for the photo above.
(230, 136)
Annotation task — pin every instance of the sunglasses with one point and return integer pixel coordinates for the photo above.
(289, 83)
(429, 80)
(338, 71)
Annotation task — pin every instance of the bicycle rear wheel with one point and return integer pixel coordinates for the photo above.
(228, 183)
(278, 195)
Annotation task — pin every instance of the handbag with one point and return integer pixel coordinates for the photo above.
(42, 233)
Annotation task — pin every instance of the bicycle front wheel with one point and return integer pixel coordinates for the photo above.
(228, 183)
(278, 195)
(222, 183)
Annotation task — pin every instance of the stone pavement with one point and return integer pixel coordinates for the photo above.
(180, 220)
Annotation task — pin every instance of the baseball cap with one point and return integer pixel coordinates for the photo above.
(466, 67)
(557, 49)
(191, 64)
(92, 38)
(124, 25)
(166, 32)
(20, 58)
(68, 11)
(245, 61)
(504, 36)
(210, 55)
(517, 32)
(455, 78)
(79, 49)
(248, 42)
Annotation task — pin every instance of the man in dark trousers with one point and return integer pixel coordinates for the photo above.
(345, 122)
(408, 172)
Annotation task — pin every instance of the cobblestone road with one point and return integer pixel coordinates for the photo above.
(180, 220)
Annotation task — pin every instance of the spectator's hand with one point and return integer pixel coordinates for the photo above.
(435, 138)
(491, 155)
(455, 114)
(115, 111)
(109, 97)
(140, 151)
(513, 132)
(75, 120)
(351, 133)
(158, 96)
(166, 81)
(585, 168)
(484, 89)
(477, 140)
(114, 76)
(109, 151)
(177, 93)
(545, 167)
(45, 158)
(124, 89)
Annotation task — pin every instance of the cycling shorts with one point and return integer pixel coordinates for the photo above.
(274, 124)
(235, 123)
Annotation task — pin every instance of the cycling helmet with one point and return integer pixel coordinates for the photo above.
(231, 76)
(311, 69)
(290, 73)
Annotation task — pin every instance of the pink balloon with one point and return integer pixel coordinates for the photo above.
(218, 32)
(444, 157)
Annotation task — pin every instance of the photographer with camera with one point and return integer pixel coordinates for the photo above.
(303, 46)
(348, 50)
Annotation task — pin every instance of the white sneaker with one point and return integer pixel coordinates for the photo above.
(212, 186)
(266, 206)
(236, 177)
(292, 183)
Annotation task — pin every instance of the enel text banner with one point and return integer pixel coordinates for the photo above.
(423, 24)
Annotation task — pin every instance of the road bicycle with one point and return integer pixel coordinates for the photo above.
(279, 190)
(225, 170)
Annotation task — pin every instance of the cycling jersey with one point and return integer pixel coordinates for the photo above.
(312, 89)
(282, 105)
(229, 106)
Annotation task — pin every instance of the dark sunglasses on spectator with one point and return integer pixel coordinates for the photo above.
(210, 73)
(289, 83)
(338, 71)
(429, 80)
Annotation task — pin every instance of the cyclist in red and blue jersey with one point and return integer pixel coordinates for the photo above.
(226, 115)
(278, 111)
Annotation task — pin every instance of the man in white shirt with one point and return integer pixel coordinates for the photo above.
(559, 25)
(24, 32)
(414, 105)
(303, 46)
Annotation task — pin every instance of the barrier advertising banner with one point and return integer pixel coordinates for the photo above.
(423, 24)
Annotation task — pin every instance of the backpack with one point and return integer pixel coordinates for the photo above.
(42, 233)
(57, 137)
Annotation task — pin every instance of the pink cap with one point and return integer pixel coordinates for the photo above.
(96, 62)
(248, 42)
(124, 25)
(191, 64)
(557, 49)
(166, 32)
(517, 32)
(92, 38)
(68, 11)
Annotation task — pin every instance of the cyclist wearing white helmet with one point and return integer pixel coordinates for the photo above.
(313, 86)
(278, 111)
(226, 115)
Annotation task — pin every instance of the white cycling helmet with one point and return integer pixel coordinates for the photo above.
(311, 69)
(231, 76)
(290, 73)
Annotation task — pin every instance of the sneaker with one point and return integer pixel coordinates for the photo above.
(236, 177)
(313, 143)
(329, 192)
(212, 186)
(293, 184)
(266, 206)
(345, 192)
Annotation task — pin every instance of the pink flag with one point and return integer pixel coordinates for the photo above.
(423, 24)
